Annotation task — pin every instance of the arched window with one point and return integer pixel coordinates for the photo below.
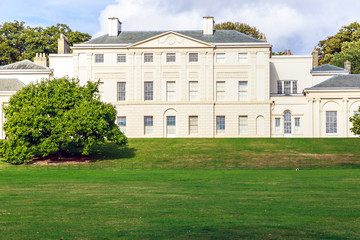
(287, 122)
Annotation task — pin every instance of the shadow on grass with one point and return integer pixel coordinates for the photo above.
(111, 151)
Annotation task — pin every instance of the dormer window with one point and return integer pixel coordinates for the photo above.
(287, 87)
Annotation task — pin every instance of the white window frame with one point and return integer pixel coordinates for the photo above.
(243, 57)
(220, 57)
(220, 90)
(122, 123)
(148, 125)
(121, 91)
(121, 58)
(193, 57)
(220, 124)
(193, 91)
(287, 87)
(331, 122)
(243, 124)
(99, 58)
(148, 57)
(193, 125)
(278, 125)
(243, 91)
(170, 57)
(148, 91)
(287, 122)
(170, 91)
(297, 124)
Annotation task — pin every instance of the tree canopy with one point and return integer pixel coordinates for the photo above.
(57, 116)
(344, 45)
(19, 42)
(240, 27)
(356, 124)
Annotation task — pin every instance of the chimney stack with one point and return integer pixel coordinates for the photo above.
(63, 45)
(347, 65)
(208, 25)
(315, 56)
(41, 59)
(114, 27)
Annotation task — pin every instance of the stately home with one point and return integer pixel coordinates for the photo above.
(207, 83)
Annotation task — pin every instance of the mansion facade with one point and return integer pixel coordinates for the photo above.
(207, 83)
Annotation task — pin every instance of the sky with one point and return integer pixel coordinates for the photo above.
(297, 25)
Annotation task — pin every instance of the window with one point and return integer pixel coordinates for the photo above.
(122, 124)
(121, 91)
(331, 122)
(170, 91)
(193, 125)
(243, 124)
(99, 58)
(193, 57)
(220, 57)
(121, 58)
(294, 87)
(170, 57)
(220, 124)
(171, 126)
(243, 58)
(277, 125)
(297, 125)
(287, 87)
(193, 91)
(148, 124)
(279, 87)
(220, 91)
(243, 91)
(148, 57)
(287, 122)
(148, 91)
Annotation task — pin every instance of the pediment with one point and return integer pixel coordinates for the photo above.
(171, 40)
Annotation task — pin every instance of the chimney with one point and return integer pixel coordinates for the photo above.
(263, 37)
(315, 56)
(208, 25)
(63, 45)
(114, 27)
(41, 59)
(347, 65)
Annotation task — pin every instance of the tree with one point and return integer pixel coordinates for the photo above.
(240, 27)
(356, 124)
(341, 46)
(19, 42)
(57, 116)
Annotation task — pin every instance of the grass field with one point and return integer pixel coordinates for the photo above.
(190, 189)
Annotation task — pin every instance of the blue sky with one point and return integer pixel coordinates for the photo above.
(288, 24)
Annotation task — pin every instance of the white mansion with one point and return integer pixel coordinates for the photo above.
(206, 83)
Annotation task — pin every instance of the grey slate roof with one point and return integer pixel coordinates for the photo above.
(328, 68)
(10, 84)
(24, 65)
(219, 36)
(341, 81)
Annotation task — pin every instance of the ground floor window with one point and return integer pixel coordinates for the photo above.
(287, 122)
(148, 125)
(122, 124)
(193, 125)
(277, 125)
(220, 124)
(331, 122)
(297, 125)
(171, 126)
(243, 124)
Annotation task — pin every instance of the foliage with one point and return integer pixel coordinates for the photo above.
(19, 42)
(342, 46)
(240, 27)
(57, 116)
(355, 120)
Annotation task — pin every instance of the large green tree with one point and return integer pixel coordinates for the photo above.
(57, 116)
(240, 27)
(342, 46)
(19, 42)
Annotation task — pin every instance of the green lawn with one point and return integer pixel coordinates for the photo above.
(222, 195)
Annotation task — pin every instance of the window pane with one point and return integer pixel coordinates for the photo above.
(220, 57)
(287, 122)
(121, 58)
(243, 91)
(121, 91)
(170, 91)
(243, 57)
(277, 125)
(148, 57)
(287, 87)
(148, 91)
(220, 124)
(148, 123)
(170, 57)
(331, 122)
(99, 58)
(193, 124)
(294, 87)
(243, 124)
(193, 57)
(279, 87)
(122, 124)
(193, 91)
(220, 91)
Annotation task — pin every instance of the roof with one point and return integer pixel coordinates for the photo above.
(24, 65)
(219, 36)
(10, 84)
(341, 81)
(328, 68)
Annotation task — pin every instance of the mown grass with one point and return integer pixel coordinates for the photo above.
(190, 189)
